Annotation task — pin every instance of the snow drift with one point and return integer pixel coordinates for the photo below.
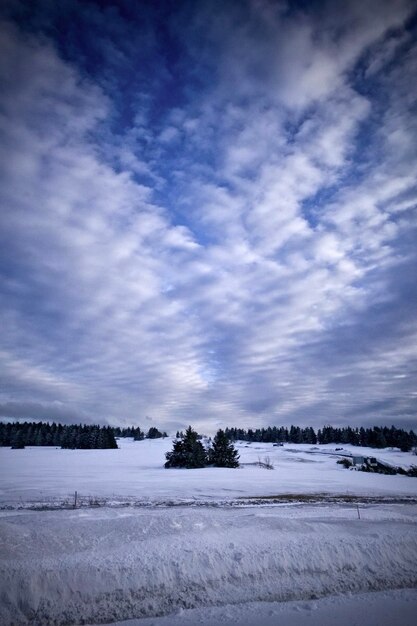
(92, 566)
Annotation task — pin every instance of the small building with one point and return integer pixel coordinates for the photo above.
(364, 460)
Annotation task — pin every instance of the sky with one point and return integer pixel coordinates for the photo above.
(208, 212)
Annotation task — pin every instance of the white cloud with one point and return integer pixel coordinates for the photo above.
(236, 280)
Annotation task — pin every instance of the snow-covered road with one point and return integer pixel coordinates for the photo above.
(68, 567)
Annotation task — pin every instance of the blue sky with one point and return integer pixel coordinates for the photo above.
(208, 213)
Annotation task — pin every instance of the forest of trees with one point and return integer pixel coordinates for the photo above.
(21, 434)
(376, 437)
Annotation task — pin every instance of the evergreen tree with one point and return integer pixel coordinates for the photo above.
(223, 453)
(154, 433)
(138, 434)
(18, 441)
(187, 452)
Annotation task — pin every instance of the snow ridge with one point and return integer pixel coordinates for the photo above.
(107, 565)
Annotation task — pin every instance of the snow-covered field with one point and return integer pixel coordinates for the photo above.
(137, 470)
(260, 565)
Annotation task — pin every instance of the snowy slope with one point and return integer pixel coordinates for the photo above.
(136, 470)
(67, 567)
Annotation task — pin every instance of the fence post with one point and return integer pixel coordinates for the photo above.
(75, 500)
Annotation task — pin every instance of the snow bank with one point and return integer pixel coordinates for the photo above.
(382, 608)
(106, 565)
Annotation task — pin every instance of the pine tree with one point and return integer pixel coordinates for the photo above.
(18, 442)
(223, 453)
(138, 434)
(187, 452)
(154, 433)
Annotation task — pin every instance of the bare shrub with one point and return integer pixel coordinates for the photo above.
(266, 463)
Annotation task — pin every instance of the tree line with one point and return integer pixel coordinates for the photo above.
(83, 436)
(73, 436)
(138, 434)
(20, 434)
(376, 437)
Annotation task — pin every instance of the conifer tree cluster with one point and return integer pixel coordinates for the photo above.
(138, 434)
(273, 434)
(376, 437)
(19, 435)
(189, 452)
(130, 431)
(154, 433)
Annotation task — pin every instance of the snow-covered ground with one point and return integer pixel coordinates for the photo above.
(99, 565)
(379, 608)
(256, 565)
(136, 470)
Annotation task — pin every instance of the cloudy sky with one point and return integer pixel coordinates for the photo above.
(208, 212)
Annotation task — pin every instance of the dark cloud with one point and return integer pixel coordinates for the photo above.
(38, 412)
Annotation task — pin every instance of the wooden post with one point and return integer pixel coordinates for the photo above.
(357, 507)
(75, 500)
